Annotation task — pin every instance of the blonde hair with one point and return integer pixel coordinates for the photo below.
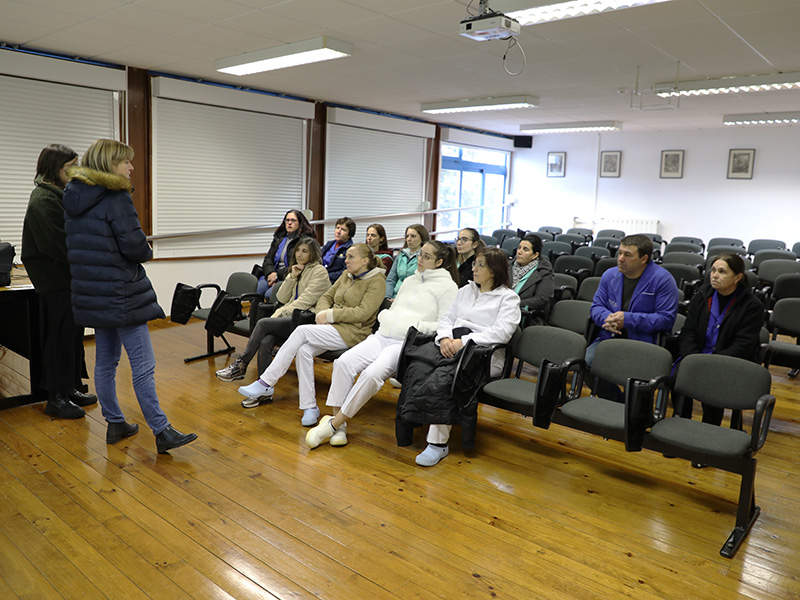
(104, 155)
(366, 252)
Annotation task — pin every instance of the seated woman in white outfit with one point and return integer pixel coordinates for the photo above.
(421, 302)
(345, 316)
(490, 311)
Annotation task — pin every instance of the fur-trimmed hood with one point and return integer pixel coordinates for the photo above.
(89, 187)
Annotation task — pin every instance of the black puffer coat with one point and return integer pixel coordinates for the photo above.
(106, 246)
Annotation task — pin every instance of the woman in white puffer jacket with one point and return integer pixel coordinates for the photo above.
(422, 301)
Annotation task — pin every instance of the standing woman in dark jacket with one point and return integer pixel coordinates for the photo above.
(110, 290)
(724, 317)
(531, 277)
(44, 254)
(276, 262)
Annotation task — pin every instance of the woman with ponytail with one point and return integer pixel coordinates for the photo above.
(345, 315)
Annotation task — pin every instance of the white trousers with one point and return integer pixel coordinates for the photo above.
(438, 434)
(374, 360)
(306, 342)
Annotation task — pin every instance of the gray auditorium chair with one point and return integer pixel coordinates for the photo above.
(534, 345)
(241, 286)
(593, 252)
(586, 233)
(764, 244)
(684, 258)
(588, 288)
(764, 255)
(573, 315)
(501, 234)
(551, 229)
(573, 239)
(552, 250)
(580, 267)
(688, 239)
(604, 264)
(615, 233)
(728, 383)
(682, 247)
(725, 241)
(785, 320)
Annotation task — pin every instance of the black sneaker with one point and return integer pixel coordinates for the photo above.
(60, 406)
(82, 398)
(234, 371)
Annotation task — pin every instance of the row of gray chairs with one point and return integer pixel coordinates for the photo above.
(643, 370)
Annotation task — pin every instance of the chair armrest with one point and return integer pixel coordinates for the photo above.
(548, 393)
(528, 315)
(761, 421)
(640, 412)
(204, 286)
(558, 293)
(577, 366)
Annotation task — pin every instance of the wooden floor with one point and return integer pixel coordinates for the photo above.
(248, 511)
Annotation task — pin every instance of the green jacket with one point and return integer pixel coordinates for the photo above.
(44, 242)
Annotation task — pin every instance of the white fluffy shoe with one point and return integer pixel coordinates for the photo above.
(431, 455)
(310, 417)
(340, 437)
(321, 432)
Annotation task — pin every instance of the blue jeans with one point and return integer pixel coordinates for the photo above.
(108, 348)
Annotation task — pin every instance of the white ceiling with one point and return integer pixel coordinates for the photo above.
(407, 52)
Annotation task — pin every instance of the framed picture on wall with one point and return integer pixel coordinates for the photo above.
(610, 163)
(740, 164)
(556, 164)
(671, 164)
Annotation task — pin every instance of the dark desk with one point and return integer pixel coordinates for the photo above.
(19, 332)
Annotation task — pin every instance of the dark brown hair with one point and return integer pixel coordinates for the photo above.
(51, 159)
(351, 225)
(497, 263)
(423, 234)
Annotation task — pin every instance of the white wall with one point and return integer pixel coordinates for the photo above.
(704, 203)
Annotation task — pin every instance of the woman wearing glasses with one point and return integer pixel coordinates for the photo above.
(421, 302)
(276, 262)
(468, 243)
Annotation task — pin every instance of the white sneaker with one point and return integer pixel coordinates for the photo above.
(340, 437)
(431, 455)
(394, 383)
(321, 432)
(310, 417)
(256, 393)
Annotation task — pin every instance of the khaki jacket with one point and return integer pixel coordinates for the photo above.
(353, 303)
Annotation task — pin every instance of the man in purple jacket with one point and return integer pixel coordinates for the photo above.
(637, 300)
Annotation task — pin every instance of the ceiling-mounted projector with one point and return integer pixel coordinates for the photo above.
(489, 26)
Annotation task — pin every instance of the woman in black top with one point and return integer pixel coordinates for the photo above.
(276, 262)
(468, 243)
(724, 317)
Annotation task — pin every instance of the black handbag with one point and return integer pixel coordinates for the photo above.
(7, 254)
(302, 317)
(225, 310)
(184, 302)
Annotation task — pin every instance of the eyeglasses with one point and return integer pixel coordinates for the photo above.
(464, 239)
(426, 256)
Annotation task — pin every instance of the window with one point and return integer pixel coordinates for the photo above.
(472, 177)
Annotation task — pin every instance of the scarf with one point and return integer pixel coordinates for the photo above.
(518, 272)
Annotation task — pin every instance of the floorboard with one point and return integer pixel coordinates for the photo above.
(249, 512)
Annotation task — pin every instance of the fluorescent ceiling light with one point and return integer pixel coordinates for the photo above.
(782, 118)
(286, 55)
(458, 106)
(572, 127)
(729, 85)
(533, 12)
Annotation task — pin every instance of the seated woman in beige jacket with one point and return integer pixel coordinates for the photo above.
(306, 280)
(345, 316)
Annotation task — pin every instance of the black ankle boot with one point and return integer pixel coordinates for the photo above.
(172, 438)
(82, 398)
(60, 406)
(117, 431)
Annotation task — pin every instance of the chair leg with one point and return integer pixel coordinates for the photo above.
(210, 349)
(746, 513)
(793, 373)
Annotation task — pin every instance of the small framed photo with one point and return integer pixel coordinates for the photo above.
(610, 163)
(556, 164)
(671, 164)
(740, 164)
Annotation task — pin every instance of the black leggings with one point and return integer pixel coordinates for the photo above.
(62, 343)
(267, 334)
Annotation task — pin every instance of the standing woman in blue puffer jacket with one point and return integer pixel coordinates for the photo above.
(110, 290)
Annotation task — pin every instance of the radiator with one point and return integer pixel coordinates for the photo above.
(629, 226)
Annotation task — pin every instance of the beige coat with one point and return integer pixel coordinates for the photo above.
(313, 282)
(352, 304)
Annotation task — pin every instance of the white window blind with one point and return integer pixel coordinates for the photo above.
(35, 114)
(372, 172)
(219, 168)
